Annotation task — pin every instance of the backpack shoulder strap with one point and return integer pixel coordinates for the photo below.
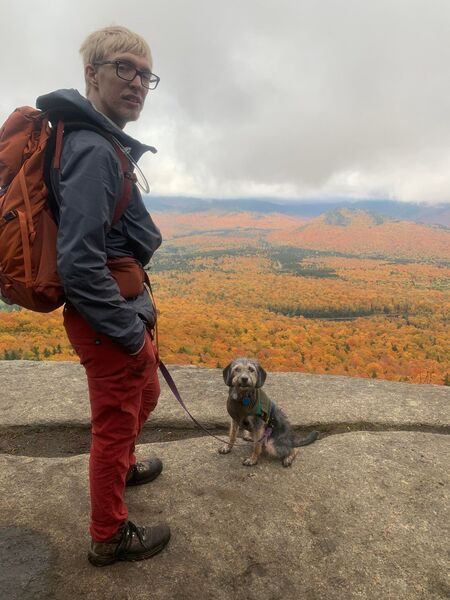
(129, 178)
(128, 175)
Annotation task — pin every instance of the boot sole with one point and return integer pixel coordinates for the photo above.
(132, 483)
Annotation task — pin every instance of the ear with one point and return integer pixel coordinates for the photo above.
(261, 377)
(227, 375)
(90, 75)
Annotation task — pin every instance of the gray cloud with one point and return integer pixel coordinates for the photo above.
(290, 97)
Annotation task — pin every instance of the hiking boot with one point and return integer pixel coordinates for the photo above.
(143, 472)
(130, 543)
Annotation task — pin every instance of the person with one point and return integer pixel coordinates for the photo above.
(108, 315)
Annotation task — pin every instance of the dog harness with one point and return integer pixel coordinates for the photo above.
(259, 404)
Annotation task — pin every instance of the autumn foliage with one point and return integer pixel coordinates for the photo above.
(344, 294)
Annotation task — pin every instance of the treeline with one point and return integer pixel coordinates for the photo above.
(34, 353)
(337, 314)
(173, 259)
(283, 259)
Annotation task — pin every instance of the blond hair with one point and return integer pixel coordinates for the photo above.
(110, 40)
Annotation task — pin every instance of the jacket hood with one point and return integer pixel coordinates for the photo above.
(70, 105)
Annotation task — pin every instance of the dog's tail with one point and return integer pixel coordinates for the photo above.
(309, 439)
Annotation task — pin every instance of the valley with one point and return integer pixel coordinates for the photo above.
(345, 293)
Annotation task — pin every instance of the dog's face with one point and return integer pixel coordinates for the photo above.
(244, 374)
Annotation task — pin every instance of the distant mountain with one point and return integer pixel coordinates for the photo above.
(348, 231)
(438, 214)
(348, 216)
(362, 233)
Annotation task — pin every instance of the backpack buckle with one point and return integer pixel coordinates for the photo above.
(10, 216)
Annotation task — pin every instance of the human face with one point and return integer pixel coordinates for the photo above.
(119, 100)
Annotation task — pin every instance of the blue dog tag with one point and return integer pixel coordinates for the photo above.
(245, 401)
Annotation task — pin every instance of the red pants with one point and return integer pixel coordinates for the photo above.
(123, 390)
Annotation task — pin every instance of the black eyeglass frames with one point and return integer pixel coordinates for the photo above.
(127, 72)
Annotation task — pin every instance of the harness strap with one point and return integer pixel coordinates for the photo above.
(260, 412)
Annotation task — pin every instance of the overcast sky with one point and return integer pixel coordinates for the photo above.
(286, 98)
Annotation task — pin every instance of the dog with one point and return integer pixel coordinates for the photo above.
(262, 420)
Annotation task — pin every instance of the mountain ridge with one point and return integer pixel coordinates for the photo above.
(436, 214)
(347, 231)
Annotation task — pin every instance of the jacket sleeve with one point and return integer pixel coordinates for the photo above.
(89, 186)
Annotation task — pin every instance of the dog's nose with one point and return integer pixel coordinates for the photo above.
(244, 379)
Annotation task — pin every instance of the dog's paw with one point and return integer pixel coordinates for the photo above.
(287, 462)
(225, 449)
(249, 462)
(247, 436)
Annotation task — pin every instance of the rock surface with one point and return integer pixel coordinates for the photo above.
(362, 514)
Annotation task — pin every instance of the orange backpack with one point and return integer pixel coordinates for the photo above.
(28, 231)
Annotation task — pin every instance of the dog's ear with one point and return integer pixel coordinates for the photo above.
(261, 376)
(227, 375)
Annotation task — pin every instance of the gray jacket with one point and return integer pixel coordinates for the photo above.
(87, 191)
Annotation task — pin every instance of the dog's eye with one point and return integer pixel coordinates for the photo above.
(252, 369)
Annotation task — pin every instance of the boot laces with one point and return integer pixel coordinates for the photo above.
(130, 529)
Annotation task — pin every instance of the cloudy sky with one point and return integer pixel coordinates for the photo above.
(279, 98)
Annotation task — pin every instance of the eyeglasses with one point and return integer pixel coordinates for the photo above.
(128, 72)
